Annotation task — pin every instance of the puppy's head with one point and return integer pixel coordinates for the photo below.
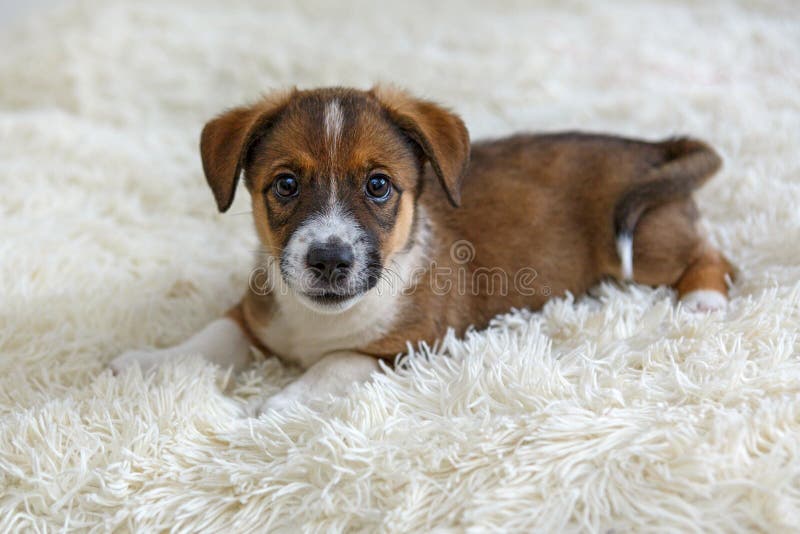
(334, 175)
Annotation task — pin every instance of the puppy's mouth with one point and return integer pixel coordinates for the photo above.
(333, 295)
(329, 298)
(329, 301)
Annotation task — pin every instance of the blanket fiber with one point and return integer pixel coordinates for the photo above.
(617, 410)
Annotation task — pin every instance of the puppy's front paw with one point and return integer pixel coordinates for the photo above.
(145, 359)
(279, 402)
(704, 301)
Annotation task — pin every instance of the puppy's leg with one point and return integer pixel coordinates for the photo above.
(669, 249)
(223, 342)
(332, 375)
(703, 286)
(666, 240)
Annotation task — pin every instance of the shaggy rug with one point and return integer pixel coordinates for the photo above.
(616, 410)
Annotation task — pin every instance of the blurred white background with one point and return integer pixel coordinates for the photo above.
(11, 10)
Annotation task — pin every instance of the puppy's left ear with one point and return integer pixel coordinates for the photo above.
(440, 134)
(227, 138)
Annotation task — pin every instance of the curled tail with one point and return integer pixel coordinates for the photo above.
(688, 165)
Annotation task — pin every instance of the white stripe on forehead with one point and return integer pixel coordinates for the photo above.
(334, 121)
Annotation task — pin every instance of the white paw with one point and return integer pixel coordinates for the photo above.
(145, 359)
(280, 402)
(704, 301)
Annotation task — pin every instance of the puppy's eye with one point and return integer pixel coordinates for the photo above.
(379, 187)
(286, 186)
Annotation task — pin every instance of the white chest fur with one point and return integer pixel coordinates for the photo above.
(303, 336)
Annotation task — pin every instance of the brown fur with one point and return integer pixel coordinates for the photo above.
(546, 205)
(244, 317)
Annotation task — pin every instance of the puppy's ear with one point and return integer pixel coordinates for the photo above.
(440, 134)
(227, 138)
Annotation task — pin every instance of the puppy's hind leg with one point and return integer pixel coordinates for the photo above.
(657, 238)
(703, 286)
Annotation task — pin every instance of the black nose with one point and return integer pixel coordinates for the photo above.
(331, 259)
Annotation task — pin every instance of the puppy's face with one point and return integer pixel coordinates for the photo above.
(334, 175)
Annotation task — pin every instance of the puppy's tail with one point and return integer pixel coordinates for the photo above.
(688, 164)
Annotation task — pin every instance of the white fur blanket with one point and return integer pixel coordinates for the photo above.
(615, 411)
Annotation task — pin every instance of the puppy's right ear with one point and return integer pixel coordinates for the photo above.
(227, 138)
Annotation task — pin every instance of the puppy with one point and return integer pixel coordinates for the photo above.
(381, 224)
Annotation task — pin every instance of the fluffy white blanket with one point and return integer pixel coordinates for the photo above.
(615, 411)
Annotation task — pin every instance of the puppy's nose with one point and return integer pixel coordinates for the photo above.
(330, 259)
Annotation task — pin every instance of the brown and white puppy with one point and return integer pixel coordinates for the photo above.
(382, 225)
